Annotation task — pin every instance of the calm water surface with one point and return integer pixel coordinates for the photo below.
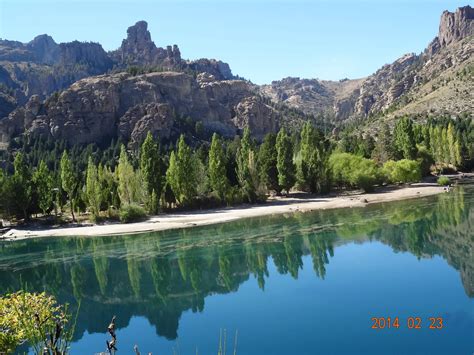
(293, 284)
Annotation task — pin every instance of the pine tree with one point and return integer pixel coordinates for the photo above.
(68, 181)
(285, 165)
(151, 169)
(43, 182)
(93, 189)
(267, 163)
(217, 168)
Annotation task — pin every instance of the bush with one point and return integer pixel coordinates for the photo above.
(403, 171)
(443, 181)
(131, 213)
(351, 170)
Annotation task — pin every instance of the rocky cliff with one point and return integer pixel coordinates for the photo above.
(408, 85)
(121, 105)
(42, 66)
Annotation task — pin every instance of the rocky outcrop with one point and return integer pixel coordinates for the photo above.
(456, 26)
(42, 66)
(220, 70)
(394, 85)
(138, 49)
(90, 55)
(121, 105)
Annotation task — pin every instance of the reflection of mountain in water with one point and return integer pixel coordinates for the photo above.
(161, 275)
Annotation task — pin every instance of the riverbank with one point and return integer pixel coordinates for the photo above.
(273, 206)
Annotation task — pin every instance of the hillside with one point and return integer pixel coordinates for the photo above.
(439, 80)
(80, 93)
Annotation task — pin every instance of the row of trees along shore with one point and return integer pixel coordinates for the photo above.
(226, 172)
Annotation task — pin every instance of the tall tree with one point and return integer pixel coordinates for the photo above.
(68, 181)
(246, 165)
(313, 165)
(404, 140)
(285, 165)
(217, 168)
(151, 169)
(182, 173)
(93, 189)
(128, 181)
(43, 182)
(384, 147)
(267, 163)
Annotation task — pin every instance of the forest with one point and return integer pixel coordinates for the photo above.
(49, 178)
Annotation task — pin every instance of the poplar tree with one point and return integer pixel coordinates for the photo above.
(126, 179)
(285, 165)
(217, 168)
(93, 189)
(151, 169)
(267, 163)
(68, 181)
(245, 166)
(182, 174)
(43, 182)
(404, 140)
(313, 164)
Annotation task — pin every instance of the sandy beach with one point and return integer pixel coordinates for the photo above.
(212, 216)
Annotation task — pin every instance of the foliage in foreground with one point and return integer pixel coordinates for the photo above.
(35, 319)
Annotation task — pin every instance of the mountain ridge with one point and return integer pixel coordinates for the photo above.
(437, 81)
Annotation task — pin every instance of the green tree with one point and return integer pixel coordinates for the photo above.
(267, 163)
(129, 181)
(68, 181)
(383, 150)
(312, 170)
(151, 169)
(182, 174)
(43, 182)
(217, 168)
(93, 189)
(246, 167)
(22, 187)
(285, 165)
(404, 140)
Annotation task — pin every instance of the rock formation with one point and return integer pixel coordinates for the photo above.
(121, 105)
(392, 87)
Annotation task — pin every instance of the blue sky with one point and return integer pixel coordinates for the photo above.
(262, 40)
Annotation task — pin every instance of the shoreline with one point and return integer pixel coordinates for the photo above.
(280, 205)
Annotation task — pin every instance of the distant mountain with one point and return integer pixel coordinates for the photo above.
(42, 66)
(439, 80)
(80, 93)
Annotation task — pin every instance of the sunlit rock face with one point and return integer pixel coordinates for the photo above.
(121, 105)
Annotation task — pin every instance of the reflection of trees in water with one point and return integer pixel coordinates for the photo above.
(161, 275)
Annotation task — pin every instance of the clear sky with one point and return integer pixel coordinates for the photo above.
(262, 40)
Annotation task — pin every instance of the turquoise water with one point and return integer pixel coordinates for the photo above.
(292, 284)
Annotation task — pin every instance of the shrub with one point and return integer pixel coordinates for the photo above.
(443, 181)
(351, 170)
(131, 213)
(36, 319)
(403, 171)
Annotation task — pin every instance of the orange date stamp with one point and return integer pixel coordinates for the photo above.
(410, 323)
